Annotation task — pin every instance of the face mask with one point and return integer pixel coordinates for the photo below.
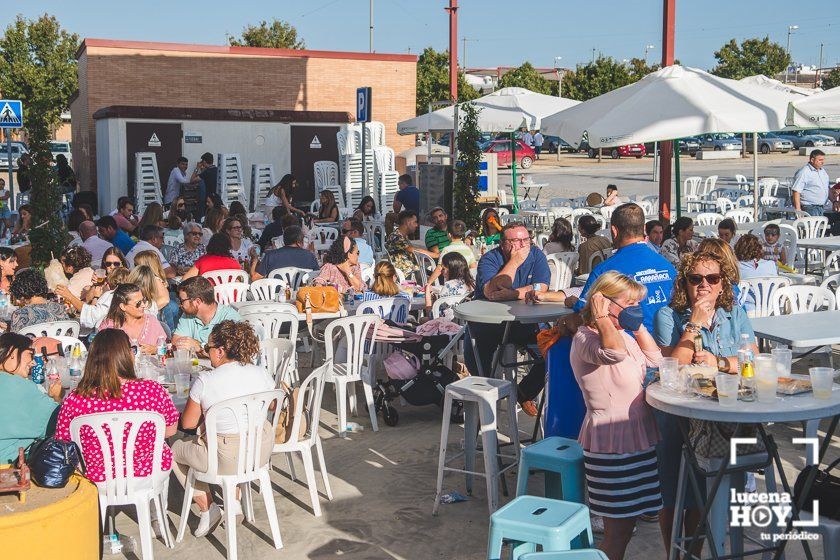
(631, 318)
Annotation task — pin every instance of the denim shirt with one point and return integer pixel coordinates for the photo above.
(723, 339)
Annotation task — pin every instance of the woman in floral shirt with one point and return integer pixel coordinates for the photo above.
(184, 255)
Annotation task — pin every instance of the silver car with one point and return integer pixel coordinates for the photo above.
(828, 132)
(718, 142)
(769, 142)
(806, 138)
(17, 151)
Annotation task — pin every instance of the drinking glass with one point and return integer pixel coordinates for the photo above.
(669, 373)
(727, 389)
(182, 354)
(182, 384)
(783, 358)
(766, 378)
(822, 381)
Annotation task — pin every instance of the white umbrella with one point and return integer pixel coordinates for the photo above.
(764, 81)
(821, 110)
(672, 103)
(505, 110)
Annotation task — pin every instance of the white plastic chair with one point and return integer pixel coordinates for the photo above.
(791, 300)
(768, 186)
(291, 274)
(832, 264)
(309, 399)
(425, 266)
(607, 212)
(540, 240)
(811, 227)
(647, 206)
(745, 201)
(251, 412)
(708, 219)
(709, 184)
(763, 290)
(53, 329)
(691, 185)
(740, 216)
(367, 275)
(527, 205)
(724, 205)
(232, 292)
(391, 308)
(831, 283)
(266, 289)
(441, 304)
(226, 276)
(323, 237)
(122, 486)
(742, 181)
(279, 357)
(563, 267)
(356, 333)
(274, 325)
(598, 257)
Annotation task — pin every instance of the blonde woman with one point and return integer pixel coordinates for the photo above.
(386, 284)
(149, 283)
(619, 433)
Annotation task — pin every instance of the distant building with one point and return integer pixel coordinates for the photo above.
(486, 80)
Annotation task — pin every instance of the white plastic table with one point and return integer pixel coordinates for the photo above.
(800, 329)
(831, 243)
(795, 408)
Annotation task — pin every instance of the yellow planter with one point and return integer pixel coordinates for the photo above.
(67, 529)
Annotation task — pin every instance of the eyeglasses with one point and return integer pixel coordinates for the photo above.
(697, 279)
(518, 241)
(207, 348)
(183, 301)
(194, 233)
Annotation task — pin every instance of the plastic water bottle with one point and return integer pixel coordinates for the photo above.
(161, 349)
(118, 545)
(75, 366)
(52, 372)
(746, 359)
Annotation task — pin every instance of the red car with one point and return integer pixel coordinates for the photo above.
(525, 154)
(631, 150)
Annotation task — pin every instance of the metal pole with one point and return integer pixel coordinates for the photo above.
(464, 55)
(593, 55)
(677, 174)
(11, 201)
(513, 172)
(819, 68)
(655, 159)
(787, 67)
(755, 176)
(364, 163)
(370, 49)
(666, 148)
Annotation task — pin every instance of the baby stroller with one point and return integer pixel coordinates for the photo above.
(427, 386)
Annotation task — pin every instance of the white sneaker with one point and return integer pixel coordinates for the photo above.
(597, 524)
(208, 521)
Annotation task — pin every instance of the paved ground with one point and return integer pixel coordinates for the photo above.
(383, 485)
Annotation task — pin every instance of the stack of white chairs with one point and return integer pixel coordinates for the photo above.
(262, 181)
(231, 186)
(353, 178)
(327, 179)
(146, 181)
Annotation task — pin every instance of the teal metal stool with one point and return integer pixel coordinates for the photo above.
(562, 460)
(588, 554)
(528, 521)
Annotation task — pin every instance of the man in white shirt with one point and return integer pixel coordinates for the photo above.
(528, 138)
(177, 177)
(95, 245)
(810, 185)
(151, 239)
(538, 143)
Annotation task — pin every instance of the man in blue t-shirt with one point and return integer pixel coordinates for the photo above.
(408, 197)
(110, 231)
(504, 274)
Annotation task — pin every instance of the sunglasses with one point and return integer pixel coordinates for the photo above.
(207, 348)
(109, 264)
(234, 228)
(697, 279)
(140, 303)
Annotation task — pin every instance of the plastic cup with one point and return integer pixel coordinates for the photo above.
(822, 381)
(182, 384)
(783, 358)
(182, 354)
(669, 373)
(766, 378)
(727, 389)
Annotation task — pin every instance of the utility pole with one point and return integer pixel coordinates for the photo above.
(453, 49)
(593, 55)
(666, 148)
(819, 68)
(370, 49)
(791, 29)
(648, 48)
(464, 55)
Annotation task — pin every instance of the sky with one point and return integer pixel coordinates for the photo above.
(498, 33)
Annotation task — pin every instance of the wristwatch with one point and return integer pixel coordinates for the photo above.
(722, 364)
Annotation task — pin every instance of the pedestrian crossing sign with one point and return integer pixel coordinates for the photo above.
(11, 113)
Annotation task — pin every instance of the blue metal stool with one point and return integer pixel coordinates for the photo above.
(588, 554)
(562, 460)
(528, 521)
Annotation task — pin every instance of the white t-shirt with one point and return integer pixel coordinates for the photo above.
(145, 246)
(96, 246)
(229, 381)
(242, 254)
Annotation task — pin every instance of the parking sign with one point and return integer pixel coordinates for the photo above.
(363, 104)
(11, 113)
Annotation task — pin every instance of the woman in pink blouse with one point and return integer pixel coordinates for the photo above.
(619, 432)
(128, 313)
(110, 385)
(341, 267)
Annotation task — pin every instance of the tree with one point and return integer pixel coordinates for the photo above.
(433, 80)
(465, 206)
(751, 57)
(278, 35)
(639, 68)
(526, 76)
(830, 79)
(38, 66)
(596, 78)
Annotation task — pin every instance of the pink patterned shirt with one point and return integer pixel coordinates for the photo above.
(140, 394)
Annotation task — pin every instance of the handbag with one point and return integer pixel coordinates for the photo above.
(826, 490)
(401, 365)
(52, 461)
(317, 299)
(285, 422)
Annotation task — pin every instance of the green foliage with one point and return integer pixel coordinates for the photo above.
(527, 77)
(38, 66)
(466, 206)
(830, 79)
(596, 78)
(433, 80)
(277, 35)
(639, 68)
(751, 57)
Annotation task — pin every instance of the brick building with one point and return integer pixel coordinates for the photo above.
(180, 76)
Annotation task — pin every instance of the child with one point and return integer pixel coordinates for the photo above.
(773, 248)
(457, 231)
(459, 280)
(612, 196)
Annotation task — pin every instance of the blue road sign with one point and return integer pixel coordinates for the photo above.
(11, 113)
(363, 104)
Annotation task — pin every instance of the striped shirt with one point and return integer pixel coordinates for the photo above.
(437, 238)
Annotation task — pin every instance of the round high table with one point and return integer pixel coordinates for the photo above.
(794, 408)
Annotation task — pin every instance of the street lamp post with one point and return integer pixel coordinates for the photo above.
(648, 48)
(791, 29)
(557, 73)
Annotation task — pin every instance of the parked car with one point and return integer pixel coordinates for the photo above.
(57, 147)
(718, 142)
(554, 143)
(688, 146)
(631, 150)
(524, 154)
(18, 150)
(834, 133)
(770, 142)
(806, 138)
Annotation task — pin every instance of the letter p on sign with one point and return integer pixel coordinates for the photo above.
(363, 104)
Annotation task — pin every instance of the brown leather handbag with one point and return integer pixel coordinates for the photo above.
(318, 299)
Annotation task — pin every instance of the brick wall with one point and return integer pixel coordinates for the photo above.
(225, 77)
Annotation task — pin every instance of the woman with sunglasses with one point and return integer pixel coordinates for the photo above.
(232, 348)
(341, 267)
(112, 260)
(8, 266)
(128, 313)
(93, 312)
(702, 305)
(183, 257)
(240, 246)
